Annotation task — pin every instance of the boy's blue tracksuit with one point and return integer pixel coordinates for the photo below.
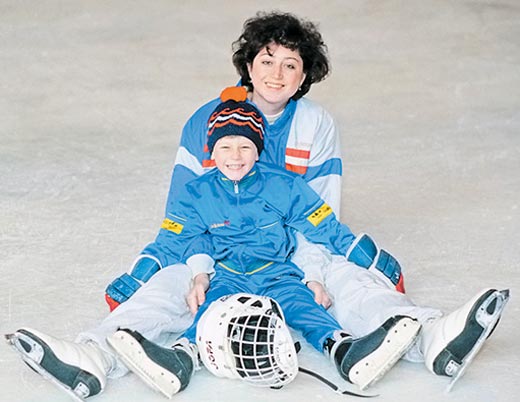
(248, 227)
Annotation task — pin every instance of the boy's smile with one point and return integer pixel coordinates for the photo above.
(235, 156)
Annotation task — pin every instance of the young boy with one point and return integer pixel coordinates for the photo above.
(247, 213)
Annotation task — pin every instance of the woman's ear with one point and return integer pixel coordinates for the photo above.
(303, 79)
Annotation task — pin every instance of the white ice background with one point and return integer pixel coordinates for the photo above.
(93, 96)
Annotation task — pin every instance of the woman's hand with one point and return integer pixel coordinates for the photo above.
(197, 293)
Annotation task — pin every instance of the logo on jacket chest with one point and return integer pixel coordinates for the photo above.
(227, 222)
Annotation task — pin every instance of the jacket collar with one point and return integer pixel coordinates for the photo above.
(239, 186)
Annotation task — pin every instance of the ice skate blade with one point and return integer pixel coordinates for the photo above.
(488, 320)
(130, 351)
(395, 344)
(15, 341)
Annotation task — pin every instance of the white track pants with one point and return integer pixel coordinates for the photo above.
(157, 310)
(362, 302)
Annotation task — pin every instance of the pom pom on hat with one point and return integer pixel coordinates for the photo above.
(235, 116)
(237, 94)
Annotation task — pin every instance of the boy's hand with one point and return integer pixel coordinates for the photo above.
(197, 294)
(320, 294)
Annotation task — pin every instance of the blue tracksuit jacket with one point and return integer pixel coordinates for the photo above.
(248, 228)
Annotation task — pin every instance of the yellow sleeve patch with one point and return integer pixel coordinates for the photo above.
(172, 226)
(321, 213)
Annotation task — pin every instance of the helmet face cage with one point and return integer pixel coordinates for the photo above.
(257, 346)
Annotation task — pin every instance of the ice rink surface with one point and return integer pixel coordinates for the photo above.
(93, 96)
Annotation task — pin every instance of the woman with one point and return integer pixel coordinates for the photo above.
(278, 57)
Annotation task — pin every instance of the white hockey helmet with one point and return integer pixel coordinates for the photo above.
(244, 336)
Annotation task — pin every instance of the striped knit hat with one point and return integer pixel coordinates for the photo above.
(234, 116)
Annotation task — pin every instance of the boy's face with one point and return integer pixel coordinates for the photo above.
(235, 156)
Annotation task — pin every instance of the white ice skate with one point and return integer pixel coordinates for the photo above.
(363, 361)
(451, 342)
(78, 369)
(167, 370)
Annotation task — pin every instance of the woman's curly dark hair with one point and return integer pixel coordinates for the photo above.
(287, 30)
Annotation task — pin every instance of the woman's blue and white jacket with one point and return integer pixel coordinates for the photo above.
(304, 140)
(246, 226)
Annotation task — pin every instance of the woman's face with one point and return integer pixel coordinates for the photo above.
(276, 74)
(235, 156)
